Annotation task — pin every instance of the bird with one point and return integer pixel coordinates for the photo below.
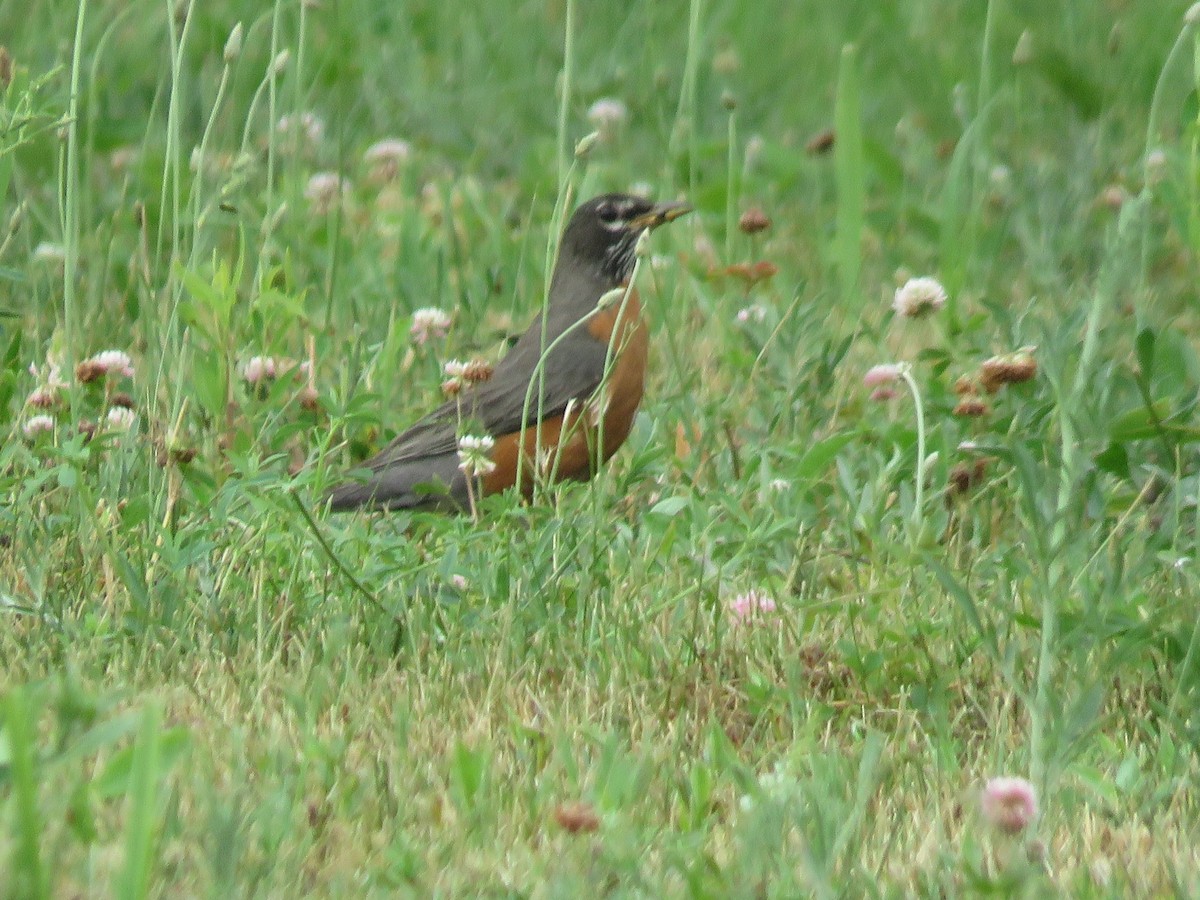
(562, 400)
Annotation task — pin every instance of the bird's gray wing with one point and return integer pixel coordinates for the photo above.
(572, 373)
(427, 451)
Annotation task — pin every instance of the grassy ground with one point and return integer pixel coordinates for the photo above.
(207, 693)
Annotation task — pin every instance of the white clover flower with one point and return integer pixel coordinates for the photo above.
(778, 786)
(44, 397)
(919, 297)
(36, 425)
(427, 323)
(1009, 804)
(259, 368)
(120, 418)
(392, 150)
(324, 190)
(114, 361)
(49, 254)
(750, 606)
(385, 157)
(309, 125)
(53, 376)
(455, 371)
(476, 443)
(474, 455)
(607, 116)
(883, 374)
(107, 362)
(755, 312)
(607, 111)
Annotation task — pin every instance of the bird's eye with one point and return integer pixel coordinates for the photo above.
(607, 213)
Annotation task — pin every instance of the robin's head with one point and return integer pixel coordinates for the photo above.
(603, 233)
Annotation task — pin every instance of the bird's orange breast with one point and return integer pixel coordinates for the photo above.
(569, 446)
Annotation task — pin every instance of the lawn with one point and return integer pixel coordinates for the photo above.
(873, 543)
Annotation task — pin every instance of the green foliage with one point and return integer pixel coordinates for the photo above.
(64, 754)
(210, 687)
(851, 174)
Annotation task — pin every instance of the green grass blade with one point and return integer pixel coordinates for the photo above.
(29, 878)
(143, 801)
(850, 174)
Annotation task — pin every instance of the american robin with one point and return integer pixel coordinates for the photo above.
(588, 365)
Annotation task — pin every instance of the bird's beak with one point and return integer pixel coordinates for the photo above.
(662, 212)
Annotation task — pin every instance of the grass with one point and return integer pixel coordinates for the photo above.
(210, 691)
